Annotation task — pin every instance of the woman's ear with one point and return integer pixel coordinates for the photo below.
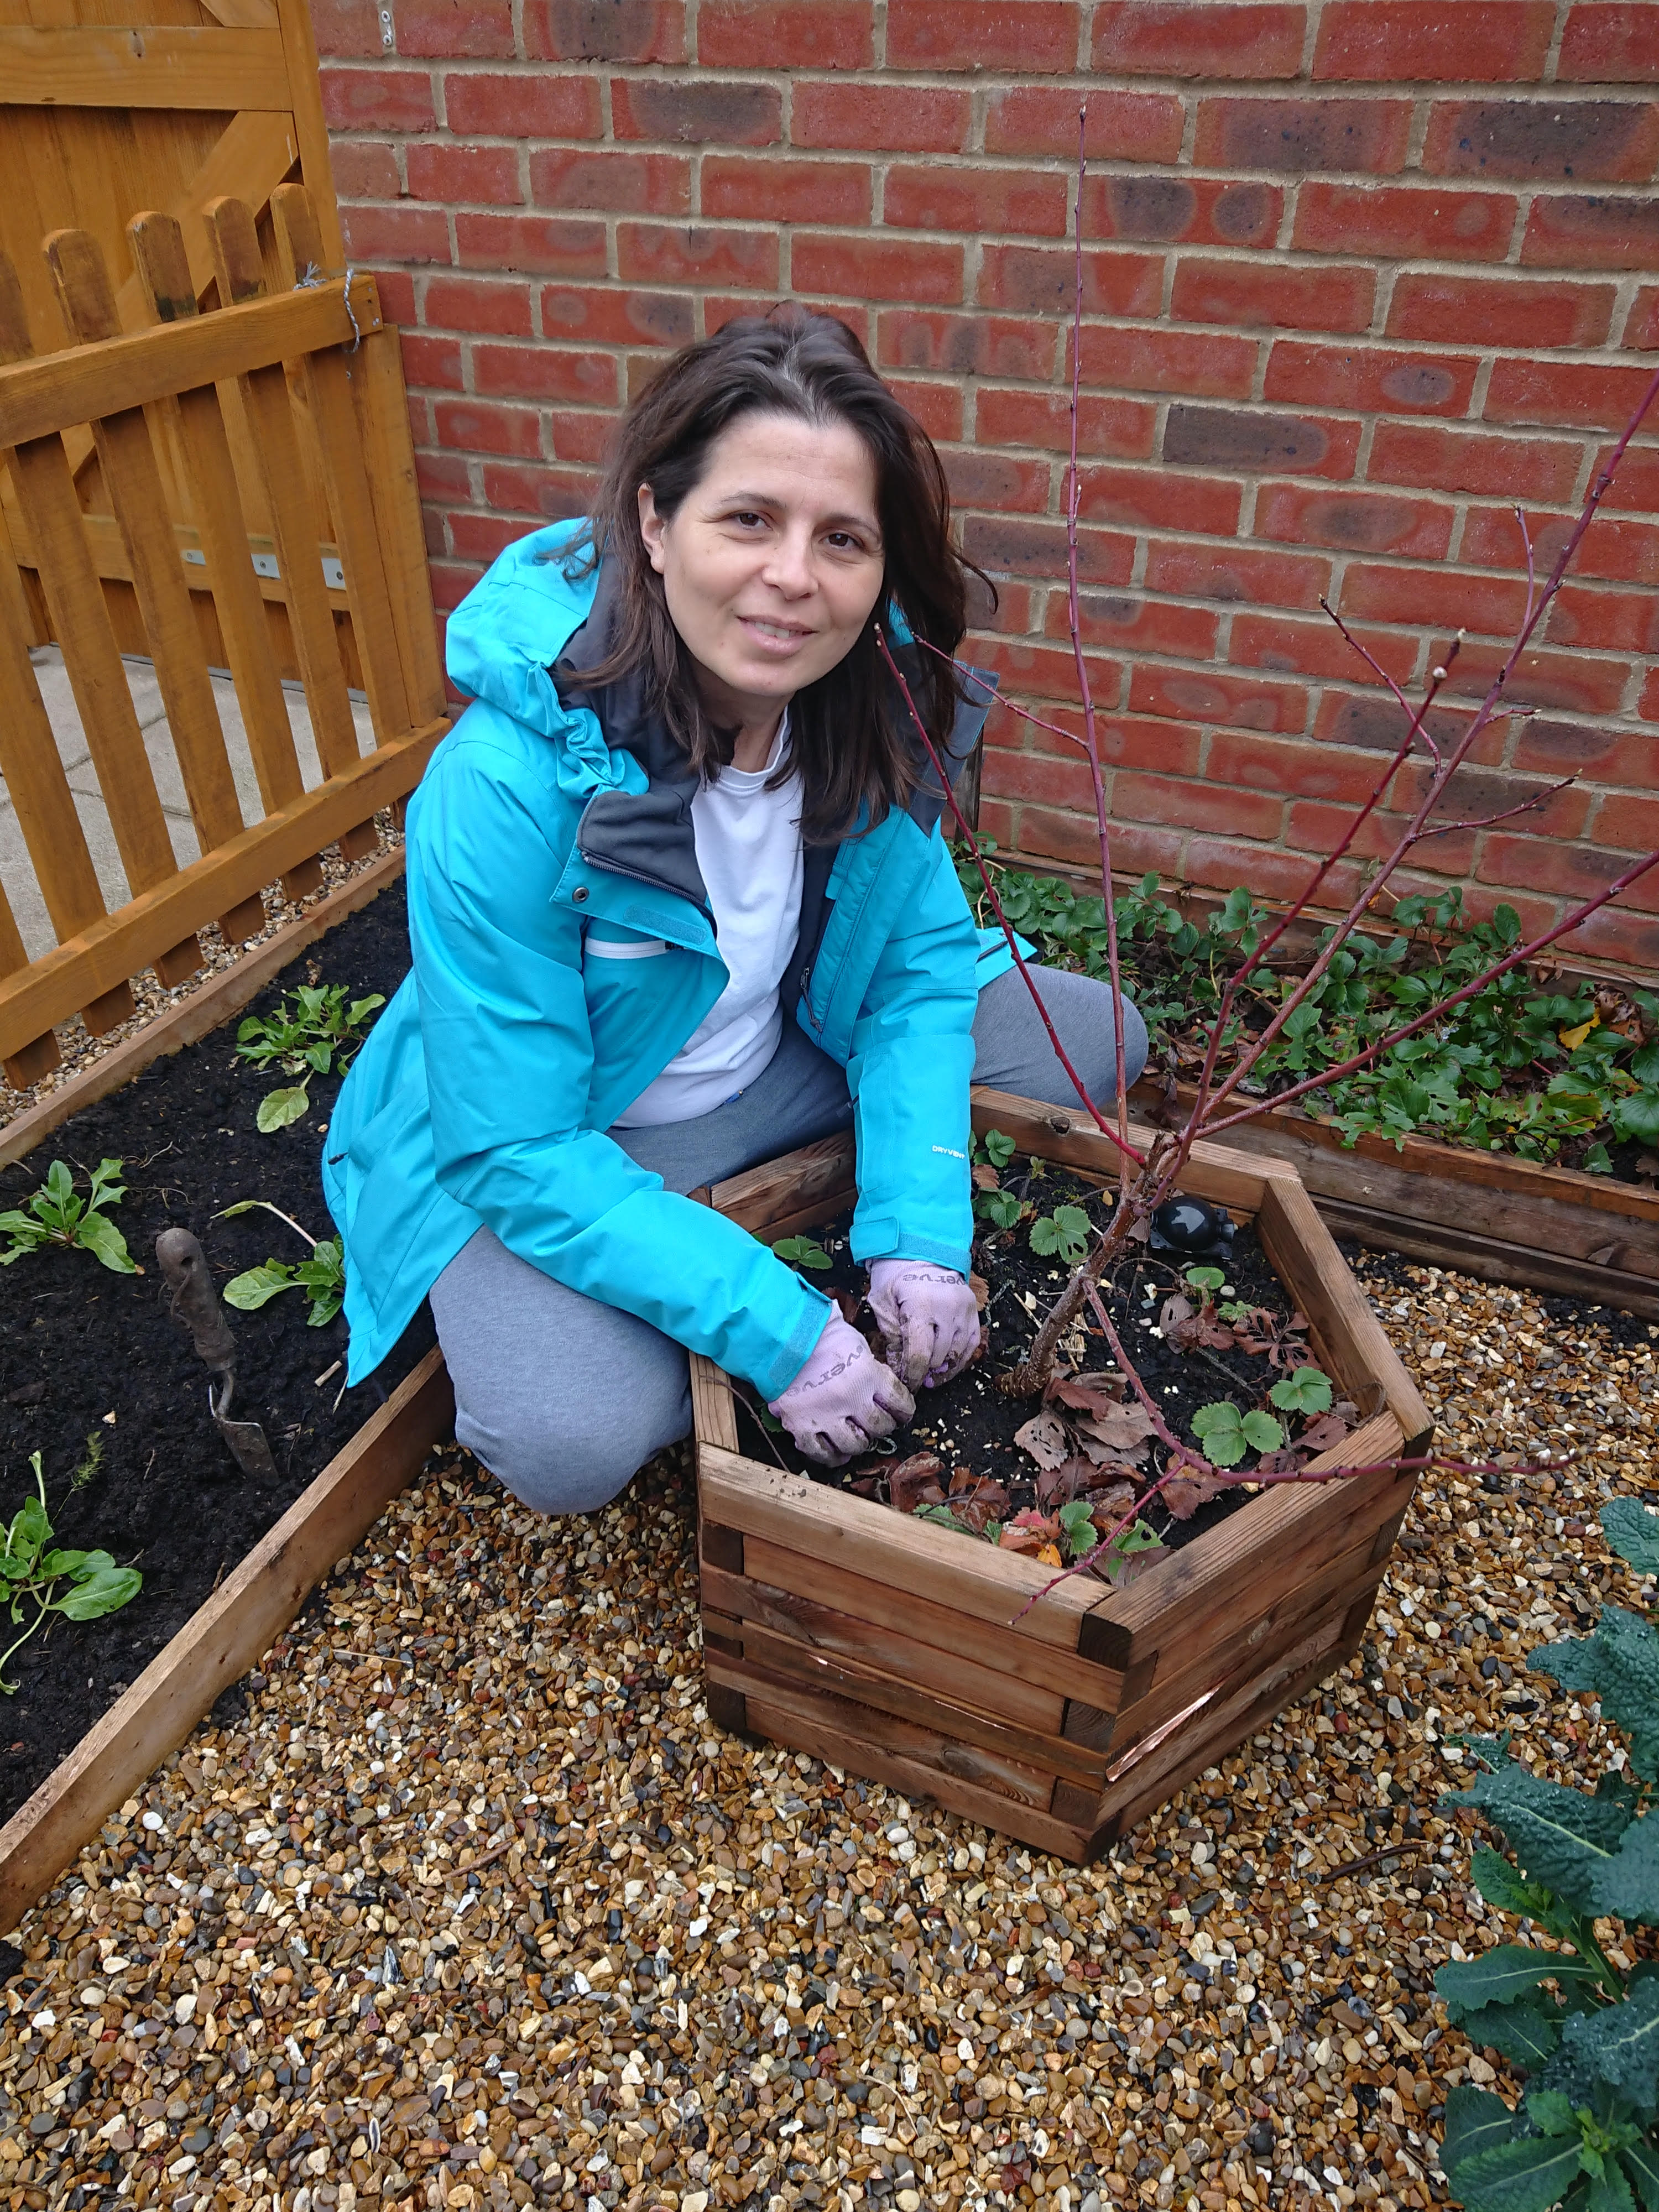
(651, 527)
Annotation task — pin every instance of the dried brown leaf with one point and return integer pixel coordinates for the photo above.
(1120, 1428)
(918, 1481)
(1098, 1392)
(1188, 1492)
(1046, 1440)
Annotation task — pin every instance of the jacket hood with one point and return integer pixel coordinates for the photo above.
(513, 625)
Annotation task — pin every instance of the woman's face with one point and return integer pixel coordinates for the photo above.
(772, 563)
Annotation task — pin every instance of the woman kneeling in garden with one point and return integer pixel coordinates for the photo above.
(679, 902)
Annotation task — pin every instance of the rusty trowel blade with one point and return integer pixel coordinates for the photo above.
(247, 1440)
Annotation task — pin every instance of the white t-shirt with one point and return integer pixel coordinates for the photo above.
(749, 848)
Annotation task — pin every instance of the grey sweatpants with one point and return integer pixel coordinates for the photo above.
(563, 1397)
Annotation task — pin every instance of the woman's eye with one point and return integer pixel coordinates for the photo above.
(842, 541)
(748, 519)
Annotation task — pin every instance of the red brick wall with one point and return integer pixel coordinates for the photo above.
(1360, 275)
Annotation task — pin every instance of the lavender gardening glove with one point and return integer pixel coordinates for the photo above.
(928, 1318)
(843, 1400)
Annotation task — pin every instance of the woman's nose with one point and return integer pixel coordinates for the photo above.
(789, 564)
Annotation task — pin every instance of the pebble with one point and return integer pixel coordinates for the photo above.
(473, 1907)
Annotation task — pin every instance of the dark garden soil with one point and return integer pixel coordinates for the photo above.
(92, 1365)
(970, 1424)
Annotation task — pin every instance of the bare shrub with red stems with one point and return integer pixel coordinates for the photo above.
(1222, 1099)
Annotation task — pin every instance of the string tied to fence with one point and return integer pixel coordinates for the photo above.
(311, 275)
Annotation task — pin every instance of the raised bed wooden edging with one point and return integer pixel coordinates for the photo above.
(264, 1592)
(948, 1669)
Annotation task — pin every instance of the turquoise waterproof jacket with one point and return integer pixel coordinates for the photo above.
(563, 952)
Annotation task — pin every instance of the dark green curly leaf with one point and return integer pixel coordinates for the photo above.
(1641, 2163)
(1527, 2033)
(1621, 2043)
(1529, 2174)
(1475, 2121)
(1501, 1975)
(1628, 1888)
(1619, 1664)
(1561, 1837)
(1507, 1887)
(1609, 2192)
(1574, 1663)
(1633, 1533)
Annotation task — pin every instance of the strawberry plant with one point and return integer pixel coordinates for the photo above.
(1560, 2011)
(802, 1252)
(54, 1215)
(1062, 1235)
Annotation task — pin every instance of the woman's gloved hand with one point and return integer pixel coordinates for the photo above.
(927, 1317)
(843, 1400)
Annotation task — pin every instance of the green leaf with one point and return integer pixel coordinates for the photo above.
(29, 1532)
(54, 1563)
(1206, 1279)
(1561, 1837)
(999, 1148)
(1219, 1429)
(1629, 1528)
(249, 1291)
(1628, 1887)
(1261, 1431)
(100, 1236)
(1609, 2192)
(1620, 1662)
(1501, 1975)
(1641, 2163)
(1505, 1887)
(277, 1109)
(1475, 2121)
(1307, 1390)
(1636, 1117)
(1527, 2032)
(1551, 2113)
(1528, 2174)
(1621, 2042)
(107, 1591)
(802, 1252)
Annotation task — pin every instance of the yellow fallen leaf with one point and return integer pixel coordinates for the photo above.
(1573, 1038)
(1049, 1555)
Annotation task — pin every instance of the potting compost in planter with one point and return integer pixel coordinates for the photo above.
(101, 1380)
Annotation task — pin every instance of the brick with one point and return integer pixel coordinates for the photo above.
(1609, 140)
(1171, 38)
(605, 30)
(719, 308)
(1609, 42)
(363, 170)
(450, 585)
(1209, 694)
(1612, 933)
(966, 345)
(579, 437)
(453, 30)
(1214, 863)
(723, 112)
(1475, 794)
(396, 290)
(524, 105)
(1642, 326)
(1124, 427)
(432, 363)
(1052, 780)
(1635, 486)
(447, 173)
(1396, 41)
(980, 477)
(443, 476)
(1032, 36)
(867, 266)
(1280, 643)
(1015, 546)
(1315, 826)
(377, 99)
(1123, 126)
(790, 34)
(1150, 499)
(1376, 591)
(937, 407)
(1370, 378)
(346, 26)
(552, 495)
(1302, 770)
(481, 537)
(501, 309)
(1373, 721)
(472, 426)
(1031, 671)
(1572, 870)
(1580, 392)
(1202, 210)
(1135, 849)
(788, 191)
(1404, 222)
(1145, 360)
(1004, 609)
(1132, 623)
(885, 117)
(1274, 294)
(1251, 441)
(1236, 575)
(1353, 521)
(1572, 683)
(542, 245)
(1590, 230)
(1434, 457)
(1039, 280)
(1631, 825)
(1603, 752)
(396, 233)
(1295, 135)
(1032, 202)
(613, 317)
(617, 183)
(1617, 549)
(1125, 741)
(1143, 798)
(544, 372)
(1499, 310)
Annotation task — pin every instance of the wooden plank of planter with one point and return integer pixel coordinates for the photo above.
(1216, 1172)
(1491, 1259)
(224, 1637)
(819, 1174)
(192, 1018)
(784, 1657)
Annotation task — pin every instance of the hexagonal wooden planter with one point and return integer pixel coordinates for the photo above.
(835, 1627)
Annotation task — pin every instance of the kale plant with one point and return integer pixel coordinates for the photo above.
(1586, 2034)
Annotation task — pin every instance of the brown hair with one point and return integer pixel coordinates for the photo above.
(850, 736)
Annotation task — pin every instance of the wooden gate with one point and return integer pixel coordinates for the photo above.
(197, 416)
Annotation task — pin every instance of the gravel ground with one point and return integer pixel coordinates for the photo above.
(458, 1901)
(80, 1048)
